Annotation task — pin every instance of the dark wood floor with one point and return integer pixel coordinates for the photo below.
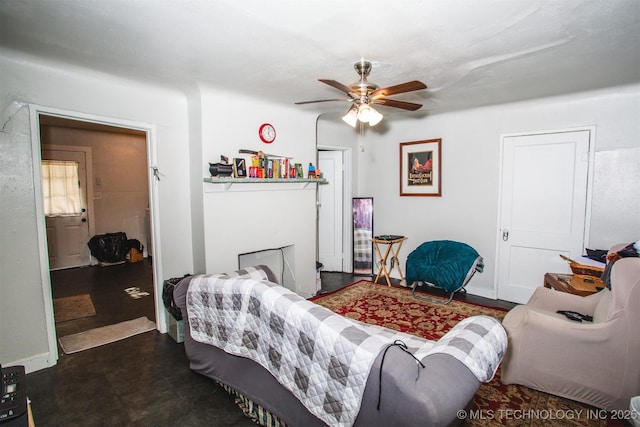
(144, 380)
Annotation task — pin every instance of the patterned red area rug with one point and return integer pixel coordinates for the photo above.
(495, 403)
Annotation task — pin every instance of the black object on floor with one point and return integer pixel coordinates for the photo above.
(13, 400)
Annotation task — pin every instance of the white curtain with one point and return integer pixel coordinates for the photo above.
(61, 188)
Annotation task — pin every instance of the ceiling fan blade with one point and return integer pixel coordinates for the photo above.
(338, 85)
(323, 100)
(401, 88)
(397, 104)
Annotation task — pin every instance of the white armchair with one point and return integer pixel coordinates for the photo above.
(597, 363)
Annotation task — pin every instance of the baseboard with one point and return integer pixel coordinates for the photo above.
(482, 292)
(35, 363)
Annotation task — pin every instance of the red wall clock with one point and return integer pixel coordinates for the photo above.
(267, 133)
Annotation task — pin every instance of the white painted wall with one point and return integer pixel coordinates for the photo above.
(23, 333)
(240, 221)
(194, 100)
(471, 139)
(23, 299)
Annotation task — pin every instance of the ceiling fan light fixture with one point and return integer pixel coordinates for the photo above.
(351, 117)
(364, 113)
(374, 117)
(362, 93)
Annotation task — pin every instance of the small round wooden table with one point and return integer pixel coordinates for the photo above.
(390, 241)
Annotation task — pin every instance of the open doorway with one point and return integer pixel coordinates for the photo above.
(114, 197)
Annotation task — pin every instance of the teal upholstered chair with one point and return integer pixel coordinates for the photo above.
(442, 264)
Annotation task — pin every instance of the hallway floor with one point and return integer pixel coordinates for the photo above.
(144, 380)
(106, 286)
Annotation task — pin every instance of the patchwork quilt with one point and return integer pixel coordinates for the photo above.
(322, 358)
(479, 342)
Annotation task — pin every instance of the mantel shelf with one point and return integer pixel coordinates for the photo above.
(226, 183)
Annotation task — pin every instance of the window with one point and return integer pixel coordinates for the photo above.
(61, 188)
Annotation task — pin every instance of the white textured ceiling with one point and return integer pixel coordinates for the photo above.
(468, 52)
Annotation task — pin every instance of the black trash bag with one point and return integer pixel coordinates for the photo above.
(110, 247)
(167, 296)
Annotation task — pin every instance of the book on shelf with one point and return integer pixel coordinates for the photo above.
(239, 168)
(269, 168)
(260, 167)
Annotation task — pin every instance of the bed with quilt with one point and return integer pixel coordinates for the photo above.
(309, 366)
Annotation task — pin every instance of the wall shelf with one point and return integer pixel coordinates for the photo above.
(213, 185)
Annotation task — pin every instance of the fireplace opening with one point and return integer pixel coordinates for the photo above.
(280, 260)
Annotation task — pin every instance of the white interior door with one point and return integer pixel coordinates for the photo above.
(330, 209)
(67, 235)
(543, 208)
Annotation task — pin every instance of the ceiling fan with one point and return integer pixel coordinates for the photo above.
(364, 94)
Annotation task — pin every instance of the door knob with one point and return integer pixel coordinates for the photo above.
(84, 220)
(505, 235)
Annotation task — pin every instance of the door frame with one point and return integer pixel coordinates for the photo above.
(588, 197)
(347, 190)
(333, 175)
(88, 155)
(150, 130)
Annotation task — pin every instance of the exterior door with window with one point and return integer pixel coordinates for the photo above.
(64, 183)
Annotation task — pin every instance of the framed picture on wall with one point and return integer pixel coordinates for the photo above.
(420, 168)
